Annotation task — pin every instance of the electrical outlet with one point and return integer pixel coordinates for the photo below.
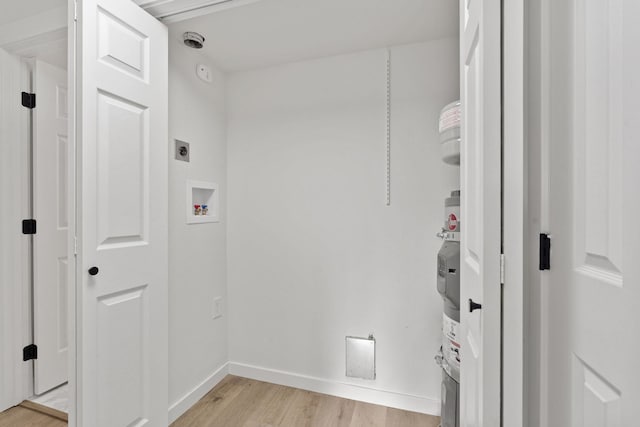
(217, 307)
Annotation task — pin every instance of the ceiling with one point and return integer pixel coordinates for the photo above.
(22, 9)
(270, 32)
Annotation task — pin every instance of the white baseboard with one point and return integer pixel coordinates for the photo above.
(392, 399)
(183, 404)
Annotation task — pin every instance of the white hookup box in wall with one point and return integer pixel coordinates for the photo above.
(361, 357)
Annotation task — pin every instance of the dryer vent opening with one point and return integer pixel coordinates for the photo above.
(193, 40)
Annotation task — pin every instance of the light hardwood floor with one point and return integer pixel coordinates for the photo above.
(240, 402)
(24, 417)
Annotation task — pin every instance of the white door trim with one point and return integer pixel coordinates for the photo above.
(514, 197)
(537, 56)
(73, 304)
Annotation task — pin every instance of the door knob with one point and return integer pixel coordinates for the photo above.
(93, 271)
(474, 306)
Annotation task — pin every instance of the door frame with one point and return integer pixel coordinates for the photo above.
(537, 185)
(72, 274)
(514, 399)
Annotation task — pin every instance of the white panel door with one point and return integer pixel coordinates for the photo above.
(122, 219)
(50, 243)
(481, 212)
(594, 280)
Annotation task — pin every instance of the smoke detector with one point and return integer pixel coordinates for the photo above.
(193, 39)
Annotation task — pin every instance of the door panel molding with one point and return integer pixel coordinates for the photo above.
(597, 129)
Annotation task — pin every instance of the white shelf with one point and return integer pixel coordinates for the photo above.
(203, 193)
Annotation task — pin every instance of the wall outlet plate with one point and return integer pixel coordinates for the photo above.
(182, 151)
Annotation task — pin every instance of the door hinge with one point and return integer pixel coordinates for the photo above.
(545, 252)
(75, 11)
(30, 352)
(75, 246)
(28, 100)
(502, 269)
(28, 226)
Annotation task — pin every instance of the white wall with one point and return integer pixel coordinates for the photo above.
(313, 252)
(197, 253)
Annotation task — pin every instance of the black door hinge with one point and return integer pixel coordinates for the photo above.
(30, 352)
(545, 252)
(28, 226)
(28, 100)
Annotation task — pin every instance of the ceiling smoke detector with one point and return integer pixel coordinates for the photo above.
(193, 40)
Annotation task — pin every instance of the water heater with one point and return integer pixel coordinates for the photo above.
(448, 285)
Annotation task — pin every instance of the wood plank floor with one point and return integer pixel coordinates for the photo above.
(241, 402)
(24, 417)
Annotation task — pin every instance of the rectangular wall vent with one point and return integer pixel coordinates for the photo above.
(361, 357)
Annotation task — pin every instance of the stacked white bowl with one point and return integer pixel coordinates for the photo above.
(450, 133)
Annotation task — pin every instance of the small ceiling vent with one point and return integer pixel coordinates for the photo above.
(193, 40)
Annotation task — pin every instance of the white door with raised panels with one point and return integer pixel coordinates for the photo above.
(594, 210)
(122, 73)
(480, 187)
(50, 207)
